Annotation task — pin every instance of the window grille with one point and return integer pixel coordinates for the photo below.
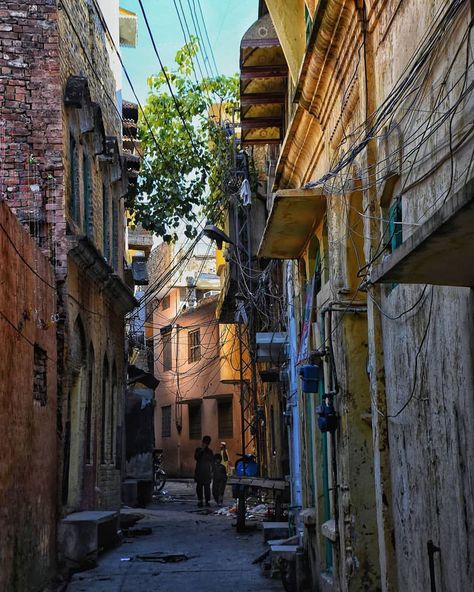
(194, 415)
(115, 230)
(225, 419)
(167, 352)
(106, 222)
(166, 421)
(86, 181)
(73, 180)
(194, 346)
(40, 382)
(165, 303)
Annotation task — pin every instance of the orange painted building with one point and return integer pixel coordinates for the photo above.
(198, 393)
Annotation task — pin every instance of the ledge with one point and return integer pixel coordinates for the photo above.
(88, 258)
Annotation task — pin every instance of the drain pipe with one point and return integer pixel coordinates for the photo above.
(293, 405)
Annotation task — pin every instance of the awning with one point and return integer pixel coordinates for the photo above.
(294, 215)
(440, 251)
(220, 397)
(193, 401)
(137, 375)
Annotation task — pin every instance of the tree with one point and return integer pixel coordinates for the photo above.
(186, 144)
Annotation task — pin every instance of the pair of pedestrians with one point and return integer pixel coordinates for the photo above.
(209, 467)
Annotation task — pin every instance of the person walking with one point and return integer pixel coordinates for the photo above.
(204, 458)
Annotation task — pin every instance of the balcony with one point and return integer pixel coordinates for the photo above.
(440, 251)
(263, 83)
(294, 216)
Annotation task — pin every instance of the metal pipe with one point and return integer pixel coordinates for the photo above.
(293, 402)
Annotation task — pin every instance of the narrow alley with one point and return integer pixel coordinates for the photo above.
(216, 557)
(236, 246)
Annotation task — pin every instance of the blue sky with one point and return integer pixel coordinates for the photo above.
(226, 20)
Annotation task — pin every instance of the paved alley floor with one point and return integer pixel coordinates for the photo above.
(219, 559)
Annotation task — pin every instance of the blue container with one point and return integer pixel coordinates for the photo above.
(310, 378)
(246, 468)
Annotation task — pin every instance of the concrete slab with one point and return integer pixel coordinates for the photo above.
(287, 552)
(274, 530)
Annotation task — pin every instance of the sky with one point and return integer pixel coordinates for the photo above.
(226, 20)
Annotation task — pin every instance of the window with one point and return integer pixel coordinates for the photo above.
(115, 241)
(165, 303)
(89, 400)
(40, 384)
(166, 421)
(113, 399)
(167, 357)
(105, 222)
(194, 415)
(86, 181)
(73, 180)
(194, 346)
(308, 23)
(105, 397)
(225, 419)
(150, 353)
(395, 237)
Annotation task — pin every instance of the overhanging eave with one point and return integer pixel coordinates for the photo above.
(294, 215)
(440, 251)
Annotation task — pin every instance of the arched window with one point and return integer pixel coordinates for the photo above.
(113, 413)
(89, 403)
(105, 398)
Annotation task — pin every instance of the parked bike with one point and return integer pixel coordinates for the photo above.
(159, 474)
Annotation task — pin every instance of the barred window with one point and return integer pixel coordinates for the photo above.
(166, 421)
(165, 303)
(194, 415)
(225, 419)
(167, 355)
(40, 385)
(194, 346)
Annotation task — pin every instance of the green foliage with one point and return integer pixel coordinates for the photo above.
(183, 178)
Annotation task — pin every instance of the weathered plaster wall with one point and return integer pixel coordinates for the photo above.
(28, 428)
(420, 458)
(428, 350)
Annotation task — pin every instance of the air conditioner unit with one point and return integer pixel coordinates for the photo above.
(210, 293)
(271, 346)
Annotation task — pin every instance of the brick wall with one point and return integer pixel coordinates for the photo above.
(27, 423)
(31, 143)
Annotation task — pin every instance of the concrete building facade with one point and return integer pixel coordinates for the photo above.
(197, 395)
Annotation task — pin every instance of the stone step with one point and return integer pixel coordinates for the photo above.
(287, 552)
(274, 530)
(82, 534)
